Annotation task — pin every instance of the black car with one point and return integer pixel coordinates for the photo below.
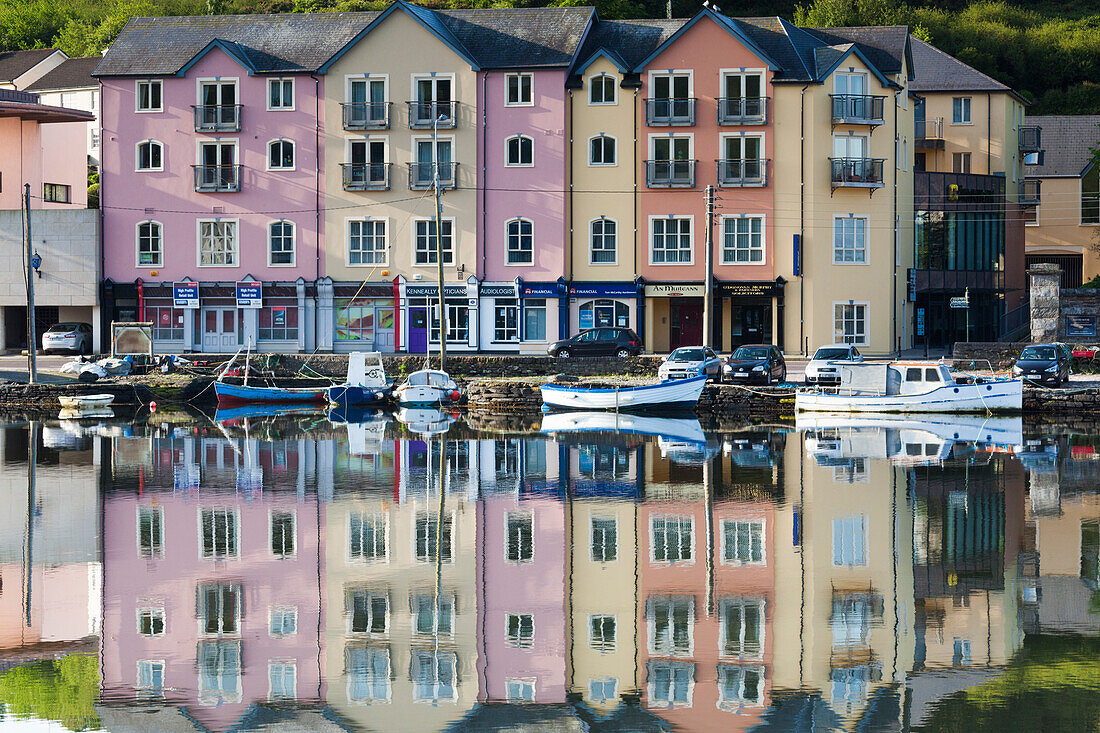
(758, 363)
(620, 342)
(1043, 363)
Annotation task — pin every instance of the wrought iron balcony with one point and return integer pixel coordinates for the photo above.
(366, 176)
(1031, 139)
(217, 178)
(422, 175)
(426, 115)
(857, 172)
(750, 172)
(670, 173)
(928, 134)
(667, 111)
(857, 109)
(217, 117)
(742, 110)
(366, 115)
(1030, 191)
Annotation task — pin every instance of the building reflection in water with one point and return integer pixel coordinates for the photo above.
(362, 577)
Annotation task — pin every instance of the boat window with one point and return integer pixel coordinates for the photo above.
(912, 375)
(931, 449)
(932, 375)
(437, 379)
(912, 449)
(418, 378)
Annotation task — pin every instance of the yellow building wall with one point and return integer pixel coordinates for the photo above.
(386, 50)
(1059, 229)
(991, 137)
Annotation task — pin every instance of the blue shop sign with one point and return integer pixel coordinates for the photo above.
(185, 295)
(609, 290)
(249, 295)
(539, 290)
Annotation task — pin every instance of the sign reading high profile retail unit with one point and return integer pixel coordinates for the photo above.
(249, 295)
(185, 295)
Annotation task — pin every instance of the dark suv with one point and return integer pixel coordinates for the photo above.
(620, 342)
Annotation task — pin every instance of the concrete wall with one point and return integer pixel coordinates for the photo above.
(68, 242)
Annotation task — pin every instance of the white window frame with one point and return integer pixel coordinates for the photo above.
(453, 248)
(137, 530)
(524, 683)
(603, 518)
(651, 688)
(614, 681)
(371, 592)
(271, 611)
(734, 704)
(1080, 200)
(447, 520)
(423, 76)
(591, 242)
(293, 243)
(865, 249)
(691, 235)
(853, 72)
(614, 89)
(606, 647)
(137, 156)
(347, 241)
(508, 240)
(969, 105)
(758, 134)
(281, 80)
(761, 72)
(519, 642)
(294, 155)
(237, 540)
(508, 143)
(519, 515)
(293, 529)
(236, 240)
(153, 611)
(763, 239)
(508, 89)
(290, 664)
(653, 540)
(588, 151)
(221, 81)
(653, 138)
(651, 626)
(866, 320)
(355, 560)
(138, 83)
(235, 142)
(151, 664)
(763, 561)
(137, 244)
(762, 627)
(367, 79)
(498, 306)
(689, 73)
(866, 549)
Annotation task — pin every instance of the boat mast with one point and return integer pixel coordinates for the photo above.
(438, 241)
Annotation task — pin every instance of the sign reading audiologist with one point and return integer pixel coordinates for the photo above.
(675, 290)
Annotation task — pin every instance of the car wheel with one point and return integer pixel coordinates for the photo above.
(564, 353)
(783, 378)
(85, 348)
(623, 353)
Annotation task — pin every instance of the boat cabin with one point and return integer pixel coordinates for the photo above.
(430, 378)
(893, 378)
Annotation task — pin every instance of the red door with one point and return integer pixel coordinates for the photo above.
(685, 322)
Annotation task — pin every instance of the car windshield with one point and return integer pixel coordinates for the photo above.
(63, 327)
(751, 352)
(1038, 353)
(693, 354)
(831, 353)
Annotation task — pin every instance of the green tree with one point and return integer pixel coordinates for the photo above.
(56, 689)
(29, 23)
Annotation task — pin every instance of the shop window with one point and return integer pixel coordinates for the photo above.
(534, 319)
(279, 323)
(362, 320)
(521, 242)
(458, 323)
(280, 238)
(604, 313)
(167, 322)
(506, 321)
(150, 244)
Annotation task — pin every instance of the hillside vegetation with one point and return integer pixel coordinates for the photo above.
(1049, 52)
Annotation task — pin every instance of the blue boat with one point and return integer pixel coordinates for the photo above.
(247, 394)
(366, 383)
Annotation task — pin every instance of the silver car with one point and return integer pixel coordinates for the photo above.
(74, 337)
(824, 367)
(690, 361)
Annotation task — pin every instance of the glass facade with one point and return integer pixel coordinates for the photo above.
(960, 240)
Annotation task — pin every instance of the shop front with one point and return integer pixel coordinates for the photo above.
(500, 316)
(364, 317)
(674, 315)
(751, 312)
(544, 314)
(606, 305)
(418, 322)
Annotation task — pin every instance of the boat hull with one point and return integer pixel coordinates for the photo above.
(1002, 396)
(86, 402)
(686, 430)
(345, 394)
(239, 394)
(423, 394)
(675, 394)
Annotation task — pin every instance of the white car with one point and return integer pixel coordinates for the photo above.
(690, 361)
(824, 367)
(75, 337)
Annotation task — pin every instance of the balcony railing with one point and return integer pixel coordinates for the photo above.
(742, 110)
(425, 115)
(1031, 139)
(665, 111)
(857, 172)
(217, 178)
(422, 175)
(928, 134)
(217, 117)
(366, 115)
(1030, 191)
(670, 173)
(857, 109)
(366, 176)
(743, 173)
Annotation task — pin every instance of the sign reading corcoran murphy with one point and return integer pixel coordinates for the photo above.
(748, 289)
(607, 290)
(185, 295)
(249, 295)
(675, 290)
(1080, 326)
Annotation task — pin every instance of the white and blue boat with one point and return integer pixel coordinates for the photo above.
(668, 395)
(366, 382)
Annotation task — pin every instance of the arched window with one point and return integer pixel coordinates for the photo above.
(521, 242)
(280, 155)
(521, 151)
(280, 241)
(150, 244)
(601, 89)
(603, 242)
(150, 156)
(601, 150)
(604, 313)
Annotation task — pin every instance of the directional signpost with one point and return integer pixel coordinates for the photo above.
(964, 303)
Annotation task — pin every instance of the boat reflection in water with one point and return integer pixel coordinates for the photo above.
(337, 575)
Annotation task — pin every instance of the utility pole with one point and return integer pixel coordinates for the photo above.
(439, 238)
(708, 263)
(32, 337)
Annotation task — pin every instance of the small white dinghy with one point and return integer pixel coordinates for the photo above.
(428, 387)
(902, 386)
(671, 394)
(86, 401)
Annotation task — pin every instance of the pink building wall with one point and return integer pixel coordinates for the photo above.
(536, 193)
(38, 153)
(706, 49)
(264, 196)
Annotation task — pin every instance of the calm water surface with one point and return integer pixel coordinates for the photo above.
(562, 573)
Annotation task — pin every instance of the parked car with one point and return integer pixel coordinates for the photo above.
(75, 337)
(620, 342)
(691, 361)
(824, 367)
(1043, 363)
(758, 363)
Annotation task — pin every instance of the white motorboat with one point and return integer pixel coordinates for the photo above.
(910, 387)
(426, 420)
(428, 387)
(676, 393)
(1002, 431)
(86, 401)
(680, 430)
(366, 382)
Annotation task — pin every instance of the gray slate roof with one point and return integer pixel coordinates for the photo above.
(520, 37)
(71, 74)
(290, 42)
(630, 41)
(1067, 140)
(884, 46)
(937, 71)
(16, 63)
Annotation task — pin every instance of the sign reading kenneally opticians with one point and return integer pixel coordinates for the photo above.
(675, 290)
(185, 295)
(432, 291)
(249, 295)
